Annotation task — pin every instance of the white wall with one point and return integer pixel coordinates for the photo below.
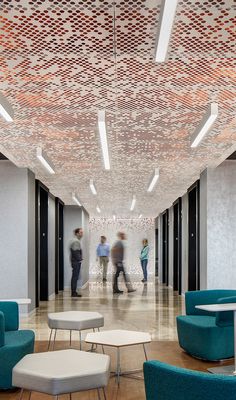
(75, 217)
(136, 230)
(17, 233)
(220, 251)
(51, 246)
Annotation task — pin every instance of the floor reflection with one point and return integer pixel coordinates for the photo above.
(152, 308)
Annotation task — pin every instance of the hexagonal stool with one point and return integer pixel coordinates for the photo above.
(61, 372)
(74, 321)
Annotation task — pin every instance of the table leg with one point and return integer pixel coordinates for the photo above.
(70, 337)
(50, 339)
(21, 394)
(118, 366)
(99, 398)
(80, 341)
(104, 394)
(54, 339)
(145, 353)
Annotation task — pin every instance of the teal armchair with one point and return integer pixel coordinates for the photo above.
(14, 343)
(206, 335)
(166, 382)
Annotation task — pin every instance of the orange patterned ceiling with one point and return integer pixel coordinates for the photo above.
(62, 61)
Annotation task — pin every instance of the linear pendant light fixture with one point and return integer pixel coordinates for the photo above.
(103, 138)
(205, 124)
(140, 215)
(76, 200)
(45, 161)
(92, 187)
(154, 179)
(6, 109)
(166, 21)
(133, 203)
(98, 209)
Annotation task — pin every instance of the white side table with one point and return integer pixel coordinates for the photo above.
(118, 339)
(19, 301)
(228, 369)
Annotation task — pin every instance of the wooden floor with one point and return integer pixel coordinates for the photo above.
(131, 358)
(152, 308)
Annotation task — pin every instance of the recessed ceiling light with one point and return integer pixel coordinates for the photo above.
(205, 124)
(166, 21)
(76, 200)
(92, 187)
(154, 179)
(114, 217)
(98, 209)
(45, 161)
(133, 203)
(103, 138)
(6, 109)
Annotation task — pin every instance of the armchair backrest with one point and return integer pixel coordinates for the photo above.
(166, 382)
(10, 310)
(2, 329)
(199, 297)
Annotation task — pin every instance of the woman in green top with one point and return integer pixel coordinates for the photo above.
(144, 259)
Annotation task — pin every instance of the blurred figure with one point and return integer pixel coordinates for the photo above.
(103, 252)
(117, 255)
(76, 260)
(144, 259)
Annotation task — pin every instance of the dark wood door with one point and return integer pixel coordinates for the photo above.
(193, 238)
(165, 247)
(59, 256)
(177, 246)
(41, 245)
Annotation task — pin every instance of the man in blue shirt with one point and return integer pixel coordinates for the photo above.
(103, 252)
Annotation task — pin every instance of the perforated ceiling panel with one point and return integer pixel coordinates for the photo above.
(62, 61)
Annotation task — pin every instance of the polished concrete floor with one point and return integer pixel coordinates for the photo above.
(152, 308)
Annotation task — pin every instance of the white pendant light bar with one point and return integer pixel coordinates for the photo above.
(42, 157)
(140, 215)
(103, 138)
(114, 217)
(154, 179)
(98, 209)
(133, 203)
(205, 124)
(76, 200)
(166, 21)
(6, 109)
(92, 187)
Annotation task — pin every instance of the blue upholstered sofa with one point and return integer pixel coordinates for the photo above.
(203, 334)
(14, 343)
(166, 382)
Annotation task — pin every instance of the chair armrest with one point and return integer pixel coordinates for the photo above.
(197, 298)
(2, 329)
(10, 310)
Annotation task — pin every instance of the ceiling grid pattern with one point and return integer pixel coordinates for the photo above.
(62, 61)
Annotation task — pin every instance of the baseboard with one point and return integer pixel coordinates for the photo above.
(52, 296)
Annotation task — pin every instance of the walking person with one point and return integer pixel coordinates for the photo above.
(76, 260)
(117, 255)
(144, 259)
(103, 252)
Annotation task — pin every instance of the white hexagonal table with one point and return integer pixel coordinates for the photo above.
(119, 338)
